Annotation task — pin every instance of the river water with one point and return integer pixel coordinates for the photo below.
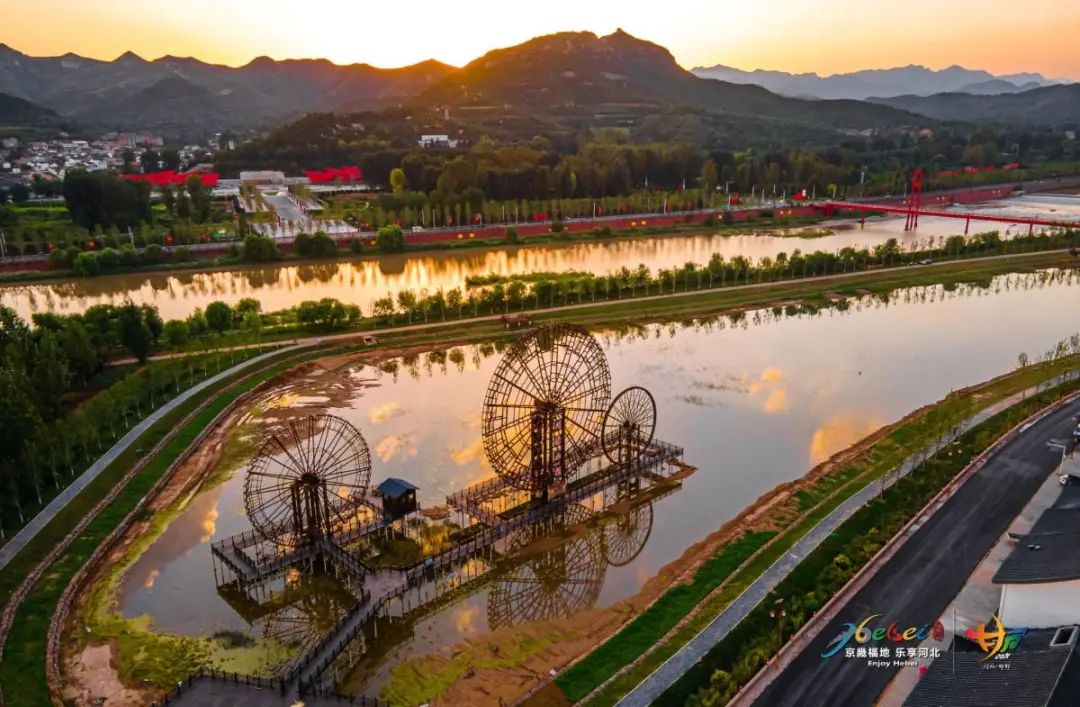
(755, 403)
(364, 280)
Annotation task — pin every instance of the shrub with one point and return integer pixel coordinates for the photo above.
(558, 227)
(86, 264)
(728, 218)
(709, 221)
(356, 246)
(303, 245)
(129, 257)
(511, 235)
(59, 260)
(390, 239)
(766, 213)
(259, 249)
(323, 246)
(108, 259)
(153, 254)
(182, 254)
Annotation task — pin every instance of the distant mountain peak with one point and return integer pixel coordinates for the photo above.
(130, 57)
(913, 79)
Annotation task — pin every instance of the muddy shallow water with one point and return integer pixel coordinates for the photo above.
(755, 403)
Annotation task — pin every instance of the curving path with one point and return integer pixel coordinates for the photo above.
(693, 651)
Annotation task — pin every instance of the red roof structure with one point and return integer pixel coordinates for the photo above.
(172, 177)
(333, 174)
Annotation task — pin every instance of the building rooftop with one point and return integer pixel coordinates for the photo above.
(1043, 671)
(1050, 552)
(395, 488)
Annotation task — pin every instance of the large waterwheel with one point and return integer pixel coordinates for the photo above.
(307, 481)
(545, 406)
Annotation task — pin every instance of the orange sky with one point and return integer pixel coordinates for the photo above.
(830, 36)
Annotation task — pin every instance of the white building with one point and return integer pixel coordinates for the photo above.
(436, 141)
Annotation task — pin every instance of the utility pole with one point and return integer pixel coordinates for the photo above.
(778, 612)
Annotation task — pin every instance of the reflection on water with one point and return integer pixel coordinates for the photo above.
(755, 401)
(363, 281)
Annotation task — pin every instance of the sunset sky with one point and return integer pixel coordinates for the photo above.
(792, 35)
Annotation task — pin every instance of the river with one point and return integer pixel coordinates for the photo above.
(755, 403)
(363, 280)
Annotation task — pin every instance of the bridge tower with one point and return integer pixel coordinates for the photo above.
(914, 200)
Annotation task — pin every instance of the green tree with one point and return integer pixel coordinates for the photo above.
(709, 176)
(219, 317)
(153, 321)
(81, 354)
(20, 193)
(398, 181)
(135, 335)
(49, 373)
(176, 333)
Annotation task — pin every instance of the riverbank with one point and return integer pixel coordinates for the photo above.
(30, 272)
(631, 312)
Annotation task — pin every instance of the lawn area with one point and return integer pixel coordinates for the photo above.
(651, 625)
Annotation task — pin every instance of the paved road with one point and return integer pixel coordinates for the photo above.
(31, 529)
(918, 582)
(687, 656)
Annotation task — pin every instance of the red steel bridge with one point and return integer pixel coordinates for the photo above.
(912, 208)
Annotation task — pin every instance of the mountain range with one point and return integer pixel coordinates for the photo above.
(901, 81)
(1048, 105)
(566, 81)
(177, 93)
(569, 72)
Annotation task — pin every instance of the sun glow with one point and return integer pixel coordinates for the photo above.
(780, 34)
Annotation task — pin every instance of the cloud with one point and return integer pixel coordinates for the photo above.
(473, 451)
(465, 619)
(209, 524)
(392, 446)
(839, 432)
(777, 402)
(772, 375)
(384, 412)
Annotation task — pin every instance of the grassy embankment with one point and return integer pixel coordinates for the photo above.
(733, 661)
(792, 520)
